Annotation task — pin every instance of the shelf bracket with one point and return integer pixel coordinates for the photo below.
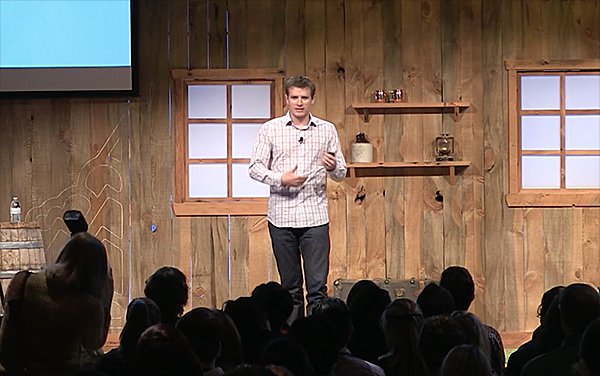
(456, 113)
(451, 175)
(366, 115)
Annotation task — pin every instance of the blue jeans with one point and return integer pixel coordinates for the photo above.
(312, 244)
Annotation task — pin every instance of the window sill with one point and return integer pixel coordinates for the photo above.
(225, 207)
(585, 198)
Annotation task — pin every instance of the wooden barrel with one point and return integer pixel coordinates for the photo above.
(21, 247)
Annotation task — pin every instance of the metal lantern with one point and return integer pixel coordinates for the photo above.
(444, 147)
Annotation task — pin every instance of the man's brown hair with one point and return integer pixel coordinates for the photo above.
(300, 82)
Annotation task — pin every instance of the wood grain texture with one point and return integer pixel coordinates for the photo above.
(335, 101)
(393, 130)
(115, 157)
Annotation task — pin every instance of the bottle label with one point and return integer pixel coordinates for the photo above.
(362, 153)
(14, 211)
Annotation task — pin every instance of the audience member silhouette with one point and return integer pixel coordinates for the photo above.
(56, 320)
(252, 325)
(141, 314)
(276, 302)
(316, 334)
(438, 336)
(547, 336)
(474, 330)
(459, 282)
(466, 360)
(203, 329)
(338, 314)
(163, 351)
(579, 305)
(357, 287)
(402, 321)
(252, 370)
(288, 353)
(168, 288)
(435, 300)
(232, 354)
(589, 350)
(366, 306)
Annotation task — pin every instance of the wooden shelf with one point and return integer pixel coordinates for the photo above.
(387, 169)
(366, 109)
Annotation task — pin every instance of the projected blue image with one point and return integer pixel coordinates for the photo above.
(65, 33)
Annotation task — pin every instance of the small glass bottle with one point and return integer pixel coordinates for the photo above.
(362, 150)
(15, 210)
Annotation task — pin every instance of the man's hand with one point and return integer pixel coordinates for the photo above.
(329, 161)
(290, 179)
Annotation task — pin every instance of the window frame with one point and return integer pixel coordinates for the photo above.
(562, 197)
(183, 205)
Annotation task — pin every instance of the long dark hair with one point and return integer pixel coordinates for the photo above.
(81, 266)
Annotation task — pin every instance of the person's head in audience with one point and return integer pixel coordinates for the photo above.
(367, 305)
(459, 282)
(232, 354)
(202, 329)
(316, 335)
(358, 286)
(435, 300)
(589, 350)
(551, 333)
(163, 351)
(438, 336)
(466, 360)
(276, 302)
(252, 370)
(168, 288)
(401, 322)
(474, 330)
(338, 313)
(286, 352)
(579, 305)
(142, 313)
(251, 322)
(547, 299)
(82, 266)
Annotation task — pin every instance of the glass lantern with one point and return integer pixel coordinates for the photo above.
(444, 147)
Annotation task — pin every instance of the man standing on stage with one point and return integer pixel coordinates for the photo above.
(294, 154)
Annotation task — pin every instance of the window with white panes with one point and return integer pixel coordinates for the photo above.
(554, 135)
(219, 113)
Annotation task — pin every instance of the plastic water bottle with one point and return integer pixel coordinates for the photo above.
(15, 210)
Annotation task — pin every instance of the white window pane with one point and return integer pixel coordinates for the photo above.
(582, 171)
(251, 101)
(582, 132)
(207, 101)
(540, 171)
(208, 180)
(243, 185)
(582, 92)
(243, 138)
(207, 140)
(540, 132)
(540, 92)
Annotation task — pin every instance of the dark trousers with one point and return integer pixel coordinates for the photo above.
(312, 244)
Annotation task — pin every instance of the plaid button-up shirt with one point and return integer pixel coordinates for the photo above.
(279, 147)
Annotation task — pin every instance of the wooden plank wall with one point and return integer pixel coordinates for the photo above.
(113, 159)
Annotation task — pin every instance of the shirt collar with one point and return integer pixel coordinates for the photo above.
(313, 121)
